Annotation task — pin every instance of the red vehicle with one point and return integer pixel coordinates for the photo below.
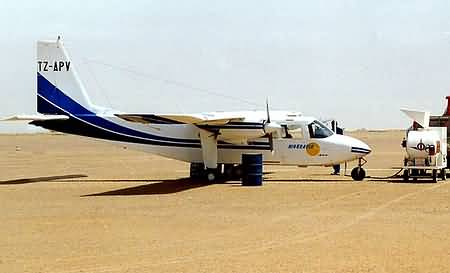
(443, 121)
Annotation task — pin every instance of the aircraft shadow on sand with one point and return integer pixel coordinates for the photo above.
(171, 186)
(159, 187)
(155, 187)
(183, 184)
(58, 178)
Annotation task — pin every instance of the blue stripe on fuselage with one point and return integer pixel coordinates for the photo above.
(51, 93)
(54, 101)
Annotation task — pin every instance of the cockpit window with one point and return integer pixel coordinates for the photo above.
(319, 130)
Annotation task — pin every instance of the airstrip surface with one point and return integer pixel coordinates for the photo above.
(70, 204)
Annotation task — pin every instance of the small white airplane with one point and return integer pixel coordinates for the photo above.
(207, 140)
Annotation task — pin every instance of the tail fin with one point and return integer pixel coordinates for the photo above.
(59, 90)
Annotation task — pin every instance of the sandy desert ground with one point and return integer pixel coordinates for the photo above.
(70, 204)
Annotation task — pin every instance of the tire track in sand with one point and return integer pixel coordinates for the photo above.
(91, 267)
(286, 242)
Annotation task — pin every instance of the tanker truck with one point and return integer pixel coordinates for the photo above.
(426, 148)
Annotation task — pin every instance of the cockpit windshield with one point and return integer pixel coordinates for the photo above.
(318, 130)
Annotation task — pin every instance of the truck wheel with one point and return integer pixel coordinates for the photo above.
(406, 175)
(434, 176)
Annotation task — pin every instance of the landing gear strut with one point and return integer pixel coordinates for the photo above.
(358, 173)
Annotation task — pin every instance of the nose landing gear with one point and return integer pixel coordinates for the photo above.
(358, 173)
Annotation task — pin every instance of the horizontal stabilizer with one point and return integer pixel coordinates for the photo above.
(35, 117)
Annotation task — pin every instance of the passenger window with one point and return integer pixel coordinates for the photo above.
(295, 131)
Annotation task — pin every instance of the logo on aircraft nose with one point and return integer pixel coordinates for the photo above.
(313, 149)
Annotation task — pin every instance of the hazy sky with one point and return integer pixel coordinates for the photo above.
(356, 61)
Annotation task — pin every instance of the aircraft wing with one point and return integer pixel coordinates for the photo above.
(196, 119)
(228, 127)
(35, 117)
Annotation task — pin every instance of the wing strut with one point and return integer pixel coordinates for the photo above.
(208, 141)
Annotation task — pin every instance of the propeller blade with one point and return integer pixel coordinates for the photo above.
(268, 127)
(270, 136)
(267, 110)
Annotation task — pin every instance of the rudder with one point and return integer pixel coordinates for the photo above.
(58, 85)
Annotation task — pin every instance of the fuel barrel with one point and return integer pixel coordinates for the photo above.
(252, 169)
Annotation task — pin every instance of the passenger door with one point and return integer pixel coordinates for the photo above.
(291, 149)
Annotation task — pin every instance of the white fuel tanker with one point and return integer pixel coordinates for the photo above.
(426, 148)
(423, 144)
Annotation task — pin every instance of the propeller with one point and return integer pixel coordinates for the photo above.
(270, 127)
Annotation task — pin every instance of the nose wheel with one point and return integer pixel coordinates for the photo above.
(358, 173)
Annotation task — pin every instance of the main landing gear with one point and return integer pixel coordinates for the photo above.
(358, 173)
(223, 171)
(198, 171)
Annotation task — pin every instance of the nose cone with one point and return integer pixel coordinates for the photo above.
(349, 148)
(358, 147)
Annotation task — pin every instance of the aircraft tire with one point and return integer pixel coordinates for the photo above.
(228, 171)
(211, 175)
(196, 170)
(358, 174)
(237, 172)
